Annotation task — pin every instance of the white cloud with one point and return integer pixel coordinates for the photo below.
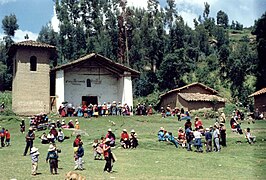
(138, 3)
(20, 35)
(6, 1)
(55, 22)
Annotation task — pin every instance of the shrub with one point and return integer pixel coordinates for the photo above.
(6, 97)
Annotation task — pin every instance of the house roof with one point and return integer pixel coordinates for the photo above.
(189, 85)
(200, 97)
(31, 43)
(259, 92)
(113, 66)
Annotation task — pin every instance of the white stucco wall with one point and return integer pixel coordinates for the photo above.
(126, 89)
(104, 85)
(59, 88)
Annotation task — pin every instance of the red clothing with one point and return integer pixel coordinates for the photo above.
(124, 136)
(76, 142)
(198, 123)
(7, 135)
(181, 135)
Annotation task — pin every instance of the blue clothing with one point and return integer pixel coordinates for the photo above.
(51, 155)
(197, 142)
(80, 152)
(208, 135)
(161, 136)
(172, 139)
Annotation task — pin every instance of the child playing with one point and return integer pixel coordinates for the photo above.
(34, 160)
(97, 150)
(80, 154)
(53, 159)
(251, 139)
(197, 143)
(208, 138)
(7, 138)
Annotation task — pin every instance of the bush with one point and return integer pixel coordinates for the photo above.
(6, 97)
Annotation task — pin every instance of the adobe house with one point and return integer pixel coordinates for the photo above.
(260, 100)
(93, 79)
(194, 96)
(31, 79)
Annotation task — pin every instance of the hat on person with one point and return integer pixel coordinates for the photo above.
(51, 148)
(57, 120)
(107, 140)
(207, 129)
(33, 150)
(124, 130)
(63, 120)
(210, 126)
(110, 129)
(70, 120)
(161, 128)
(77, 122)
(63, 123)
(132, 130)
(30, 128)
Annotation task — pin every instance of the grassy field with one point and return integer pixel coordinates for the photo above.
(151, 160)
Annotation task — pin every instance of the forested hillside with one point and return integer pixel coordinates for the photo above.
(156, 41)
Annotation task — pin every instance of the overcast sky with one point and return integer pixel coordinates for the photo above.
(33, 14)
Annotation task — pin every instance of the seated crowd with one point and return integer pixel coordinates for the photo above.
(95, 110)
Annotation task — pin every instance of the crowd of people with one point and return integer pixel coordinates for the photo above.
(192, 134)
(96, 110)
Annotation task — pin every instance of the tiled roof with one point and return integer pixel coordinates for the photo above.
(31, 43)
(101, 59)
(189, 85)
(262, 91)
(200, 97)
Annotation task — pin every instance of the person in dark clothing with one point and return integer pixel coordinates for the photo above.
(223, 135)
(29, 140)
(53, 159)
(3, 135)
(107, 155)
(22, 126)
(80, 154)
(208, 138)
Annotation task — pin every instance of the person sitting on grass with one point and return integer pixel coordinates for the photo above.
(251, 139)
(61, 136)
(181, 137)
(172, 139)
(133, 139)
(53, 159)
(197, 142)
(125, 143)
(161, 134)
(70, 124)
(44, 139)
(51, 137)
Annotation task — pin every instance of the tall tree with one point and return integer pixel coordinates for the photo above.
(222, 19)
(260, 32)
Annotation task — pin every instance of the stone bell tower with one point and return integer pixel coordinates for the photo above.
(31, 77)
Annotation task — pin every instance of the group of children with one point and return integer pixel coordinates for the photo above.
(52, 158)
(5, 137)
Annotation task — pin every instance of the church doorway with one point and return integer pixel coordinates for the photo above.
(89, 100)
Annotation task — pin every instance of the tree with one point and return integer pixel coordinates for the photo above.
(260, 32)
(222, 19)
(9, 25)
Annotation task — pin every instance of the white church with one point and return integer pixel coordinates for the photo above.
(90, 79)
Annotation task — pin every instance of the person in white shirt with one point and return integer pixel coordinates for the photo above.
(60, 136)
(50, 137)
(216, 139)
(251, 139)
(197, 142)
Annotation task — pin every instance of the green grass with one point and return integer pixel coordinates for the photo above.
(151, 160)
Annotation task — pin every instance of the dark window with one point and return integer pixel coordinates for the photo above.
(33, 63)
(88, 83)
